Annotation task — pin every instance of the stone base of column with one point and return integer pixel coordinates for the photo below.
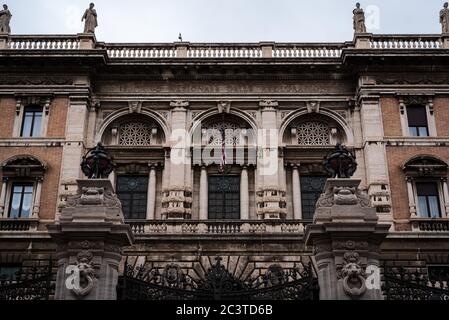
(177, 203)
(271, 203)
(90, 236)
(346, 237)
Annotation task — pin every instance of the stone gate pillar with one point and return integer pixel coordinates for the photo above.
(90, 236)
(346, 237)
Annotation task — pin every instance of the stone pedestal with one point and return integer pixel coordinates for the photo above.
(3, 41)
(87, 41)
(362, 40)
(90, 236)
(445, 40)
(346, 237)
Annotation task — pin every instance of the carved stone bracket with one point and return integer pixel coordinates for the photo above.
(343, 195)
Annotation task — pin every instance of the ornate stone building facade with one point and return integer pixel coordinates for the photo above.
(157, 108)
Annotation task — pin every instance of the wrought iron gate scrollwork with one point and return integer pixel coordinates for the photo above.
(29, 283)
(399, 284)
(218, 284)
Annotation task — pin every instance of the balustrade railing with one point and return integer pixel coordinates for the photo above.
(308, 51)
(53, 42)
(221, 50)
(141, 51)
(229, 227)
(17, 224)
(432, 225)
(406, 42)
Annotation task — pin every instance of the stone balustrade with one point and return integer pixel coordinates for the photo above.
(230, 227)
(13, 225)
(52, 42)
(406, 42)
(430, 225)
(189, 50)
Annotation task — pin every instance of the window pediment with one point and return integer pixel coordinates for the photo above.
(23, 166)
(425, 166)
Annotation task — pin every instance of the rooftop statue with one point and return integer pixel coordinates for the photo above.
(5, 18)
(444, 18)
(90, 17)
(359, 19)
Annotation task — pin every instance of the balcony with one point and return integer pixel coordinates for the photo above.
(212, 228)
(18, 225)
(430, 225)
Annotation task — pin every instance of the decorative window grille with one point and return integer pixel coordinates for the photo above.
(313, 133)
(135, 134)
(232, 134)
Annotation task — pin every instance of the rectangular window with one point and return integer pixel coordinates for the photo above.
(417, 121)
(32, 120)
(224, 197)
(311, 189)
(428, 200)
(132, 192)
(21, 201)
(9, 271)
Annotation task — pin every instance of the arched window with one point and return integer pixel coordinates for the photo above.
(427, 187)
(232, 133)
(135, 133)
(21, 187)
(314, 130)
(313, 133)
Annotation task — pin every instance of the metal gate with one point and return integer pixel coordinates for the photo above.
(399, 284)
(218, 283)
(29, 282)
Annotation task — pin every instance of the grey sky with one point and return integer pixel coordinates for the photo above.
(223, 20)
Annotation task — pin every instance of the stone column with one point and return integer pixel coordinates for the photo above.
(296, 188)
(411, 198)
(74, 147)
(90, 236)
(180, 165)
(346, 238)
(244, 194)
(204, 193)
(3, 198)
(37, 199)
(446, 196)
(151, 202)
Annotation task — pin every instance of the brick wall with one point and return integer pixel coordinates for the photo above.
(396, 157)
(52, 157)
(391, 117)
(57, 119)
(441, 112)
(8, 109)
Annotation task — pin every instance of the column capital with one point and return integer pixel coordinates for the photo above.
(268, 105)
(179, 105)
